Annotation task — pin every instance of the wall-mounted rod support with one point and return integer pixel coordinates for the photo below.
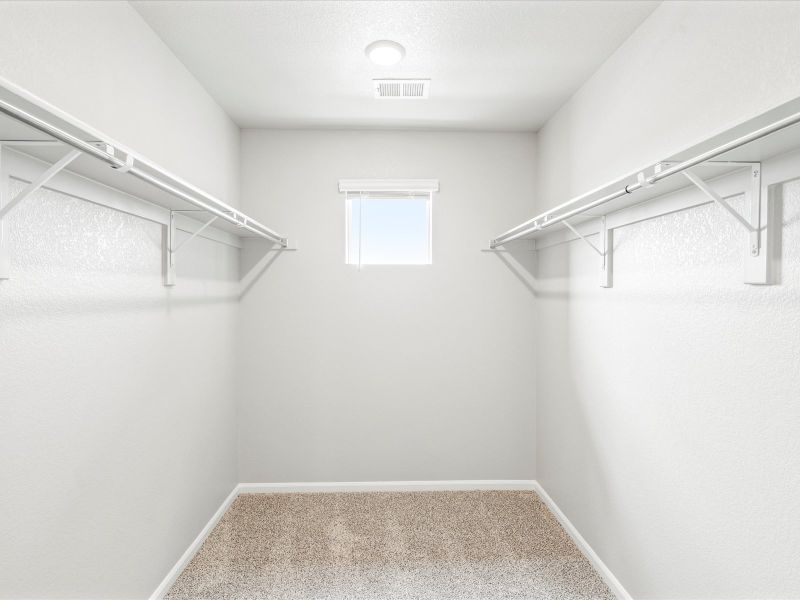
(607, 247)
(169, 255)
(574, 207)
(194, 235)
(576, 232)
(721, 202)
(172, 248)
(161, 180)
(753, 201)
(7, 207)
(605, 251)
(54, 170)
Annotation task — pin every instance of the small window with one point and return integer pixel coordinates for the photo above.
(389, 228)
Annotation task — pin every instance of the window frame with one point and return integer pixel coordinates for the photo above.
(390, 189)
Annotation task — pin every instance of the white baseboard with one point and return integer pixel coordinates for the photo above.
(611, 581)
(395, 486)
(187, 556)
(387, 486)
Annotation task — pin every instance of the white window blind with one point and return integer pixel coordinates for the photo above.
(385, 228)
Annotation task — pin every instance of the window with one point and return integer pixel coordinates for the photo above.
(386, 227)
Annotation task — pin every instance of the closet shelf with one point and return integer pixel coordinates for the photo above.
(33, 127)
(744, 146)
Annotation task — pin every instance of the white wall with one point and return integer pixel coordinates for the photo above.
(667, 407)
(100, 62)
(117, 419)
(389, 373)
(117, 412)
(667, 411)
(690, 70)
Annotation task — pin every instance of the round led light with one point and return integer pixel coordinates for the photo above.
(385, 52)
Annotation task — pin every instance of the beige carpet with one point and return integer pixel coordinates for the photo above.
(454, 545)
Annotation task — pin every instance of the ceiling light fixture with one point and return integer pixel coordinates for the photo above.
(385, 52)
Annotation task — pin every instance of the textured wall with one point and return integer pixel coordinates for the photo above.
(117, 420)
(389, 373)
(667, 412)
(667, 407)
(100, 62)
(690, 70)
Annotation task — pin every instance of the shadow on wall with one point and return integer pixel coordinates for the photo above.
(256, 258)
(523, 261)
(567, 453)
(520, 258)
(551, 285)
(45, 308)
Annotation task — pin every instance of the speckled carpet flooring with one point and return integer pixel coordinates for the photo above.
(454, 545)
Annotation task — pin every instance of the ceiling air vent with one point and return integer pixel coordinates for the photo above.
(401, 88)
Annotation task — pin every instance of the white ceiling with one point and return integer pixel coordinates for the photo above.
(492, 65)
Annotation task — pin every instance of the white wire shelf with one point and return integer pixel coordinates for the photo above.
(756, 140)
(31, 126)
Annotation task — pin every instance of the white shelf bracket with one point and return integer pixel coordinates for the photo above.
(194, 235)
(576, 232)
(758, 226)
(607, 246)
(32, 187)
(605, 251)
(172, 247)
(39, 182)
(169, 254)
(722, 203)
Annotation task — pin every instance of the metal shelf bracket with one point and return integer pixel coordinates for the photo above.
(33, 186)
(722, 203)
(757, 225)
(42, 180)
(605, 251)
(576, 232)
(172, 247)
(607, 246)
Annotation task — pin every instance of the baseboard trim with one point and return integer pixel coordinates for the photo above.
(386, 486)
(610, 579)
(395, 486)
(187, 556)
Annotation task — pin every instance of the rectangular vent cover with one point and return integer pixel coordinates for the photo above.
(401, 88)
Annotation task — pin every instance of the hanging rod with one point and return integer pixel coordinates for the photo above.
(549, 218)
(226, 212)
